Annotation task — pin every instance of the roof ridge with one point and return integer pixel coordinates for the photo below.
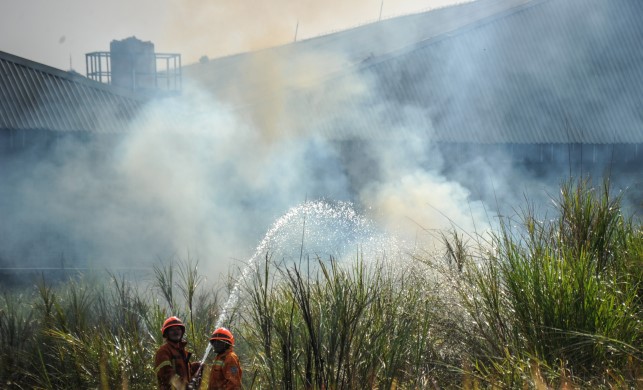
(72, 76)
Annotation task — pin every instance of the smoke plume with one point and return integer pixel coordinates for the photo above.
(205, 174)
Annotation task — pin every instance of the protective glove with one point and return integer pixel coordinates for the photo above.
(195, 382)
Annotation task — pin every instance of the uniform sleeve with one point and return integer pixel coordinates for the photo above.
(232, 372)
(164, 369)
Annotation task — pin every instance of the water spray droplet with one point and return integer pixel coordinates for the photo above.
(319, 229)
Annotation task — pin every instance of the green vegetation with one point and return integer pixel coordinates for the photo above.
(558, 300)
(90, 334)
(544, 302)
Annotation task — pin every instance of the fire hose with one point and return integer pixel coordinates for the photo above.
(196, 380)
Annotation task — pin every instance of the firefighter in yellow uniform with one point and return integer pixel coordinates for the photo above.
(172, 361)
(225, 373)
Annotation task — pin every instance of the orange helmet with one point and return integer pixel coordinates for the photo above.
(170, 322)
(224, 335)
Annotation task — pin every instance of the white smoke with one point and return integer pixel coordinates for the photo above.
(206, 173)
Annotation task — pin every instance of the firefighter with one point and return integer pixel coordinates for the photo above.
(172, 360)
(226, 370)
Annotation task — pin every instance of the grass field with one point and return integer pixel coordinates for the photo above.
(552, 299)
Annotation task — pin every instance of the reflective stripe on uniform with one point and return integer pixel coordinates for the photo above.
(218, 363)
(165, 363)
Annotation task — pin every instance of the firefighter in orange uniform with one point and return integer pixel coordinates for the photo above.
(172, 361)
(226, 370)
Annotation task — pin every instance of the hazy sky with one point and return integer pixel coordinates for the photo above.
(60, 32)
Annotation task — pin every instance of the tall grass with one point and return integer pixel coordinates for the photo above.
(347, 326)
(561, 292)
(550, 300)
(89, 334)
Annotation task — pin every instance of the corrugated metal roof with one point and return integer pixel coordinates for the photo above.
(35, 96)
(561, 71)
(491, 71)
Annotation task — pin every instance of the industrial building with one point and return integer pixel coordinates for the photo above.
(537, 75)
(549, 86)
